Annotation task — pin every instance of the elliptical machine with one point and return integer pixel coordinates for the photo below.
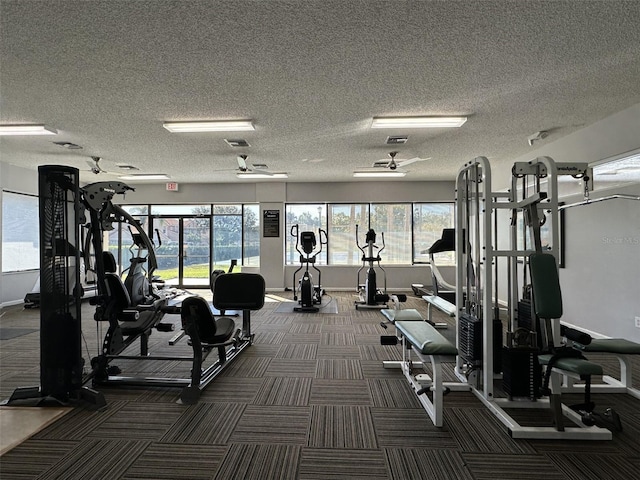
(310, 295)
(371, 297)
(138, 279)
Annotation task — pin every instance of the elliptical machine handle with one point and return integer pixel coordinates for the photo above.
(383, 245)
(326, 238)
(357, 243)
(294, 233)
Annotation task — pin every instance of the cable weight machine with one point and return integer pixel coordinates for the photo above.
(530, 210)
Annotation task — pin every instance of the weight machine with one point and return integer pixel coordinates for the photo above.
(482, 251)
(63, 206)
(310, 295)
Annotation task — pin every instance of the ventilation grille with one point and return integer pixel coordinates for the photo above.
(397, 140)
(237, 142)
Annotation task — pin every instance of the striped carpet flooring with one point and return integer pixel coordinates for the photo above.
(308, 400)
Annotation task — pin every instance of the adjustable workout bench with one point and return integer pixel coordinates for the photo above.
(429, 346)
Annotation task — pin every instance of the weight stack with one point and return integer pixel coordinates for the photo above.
(525, 318)
(470, 347)
(470, 339)
(521, 372)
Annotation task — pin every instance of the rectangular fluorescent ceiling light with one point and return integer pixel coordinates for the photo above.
(27, 130)
(247, 175)
(145, 176)
(215, 126)
(417, 122)
(378, 173)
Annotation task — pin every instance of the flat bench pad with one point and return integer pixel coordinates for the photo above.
(425, 338)
(612, 345)
(441, 304)
(406, 314)
(578, 366)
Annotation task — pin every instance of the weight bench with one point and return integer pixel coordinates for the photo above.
(429, 346)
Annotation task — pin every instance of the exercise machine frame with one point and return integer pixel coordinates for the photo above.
(478, 255)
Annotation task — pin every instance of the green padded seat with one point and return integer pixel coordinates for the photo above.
(578, 366)
(612, 345)
(426, 338)
(406, 314)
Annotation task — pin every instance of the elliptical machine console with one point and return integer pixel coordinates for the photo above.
(306, 245)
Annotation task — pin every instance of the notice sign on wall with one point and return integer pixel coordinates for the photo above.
(271, 223)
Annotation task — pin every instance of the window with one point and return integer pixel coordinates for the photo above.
(429, 219)
(211, 236)
(227, 233)
(308, 217)
(394, 222)
(409, 230)
(20, 232)
(251, 236)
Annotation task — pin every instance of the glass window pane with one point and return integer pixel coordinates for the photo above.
(429, 219)
(20, 232)
(227, 240)
(167, 247)
(309, 218)
(180, 209)
(342, 233)
(136, 209)
(394, 222)
(127, 249)
(195, 250)
(251, 236)
(227, 209)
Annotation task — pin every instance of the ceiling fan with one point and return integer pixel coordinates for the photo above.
(95, 168)
(94, 165)
(257, 170)
(394, 164)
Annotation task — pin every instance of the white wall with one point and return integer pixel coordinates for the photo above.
(14, 286)
(601, 280)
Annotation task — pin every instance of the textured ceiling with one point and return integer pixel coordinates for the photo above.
(311, 75)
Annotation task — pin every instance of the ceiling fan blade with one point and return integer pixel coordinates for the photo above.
(242, 163)
(381, 164)
(402, 163)
(259, 171)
